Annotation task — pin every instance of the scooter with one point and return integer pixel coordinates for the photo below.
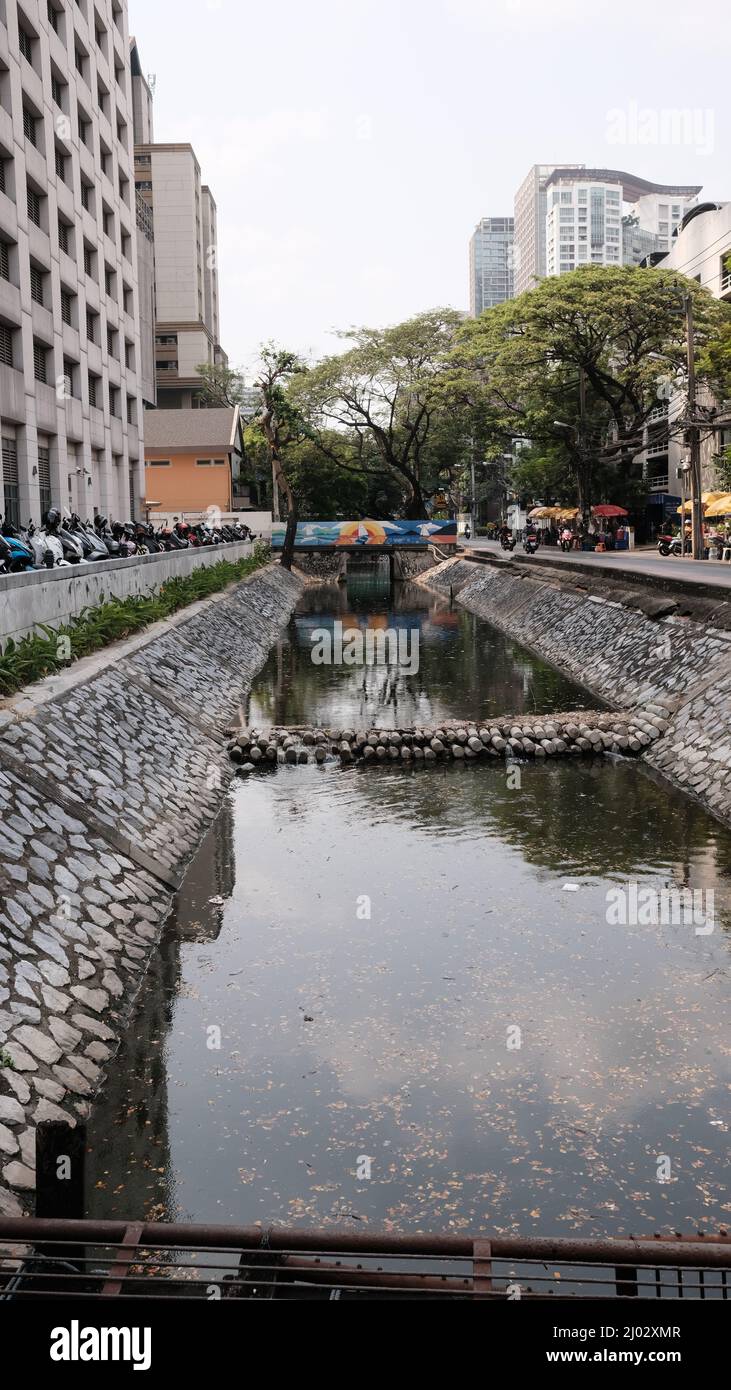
(47, 548)
(530, 544)
(92, 547)
(507, 543)
(671, 545)
(20, 549)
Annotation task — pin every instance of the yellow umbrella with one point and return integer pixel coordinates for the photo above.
(706, 499)
(721, 507)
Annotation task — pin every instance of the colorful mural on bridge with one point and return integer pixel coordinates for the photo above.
(367, 532)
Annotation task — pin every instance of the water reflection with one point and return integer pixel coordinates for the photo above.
(382, 931)
(466, 669)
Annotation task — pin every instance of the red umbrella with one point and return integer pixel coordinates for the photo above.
(608, 509)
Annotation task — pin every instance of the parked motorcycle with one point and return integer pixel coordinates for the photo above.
(671, 545)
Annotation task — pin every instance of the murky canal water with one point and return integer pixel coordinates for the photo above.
(381, 933)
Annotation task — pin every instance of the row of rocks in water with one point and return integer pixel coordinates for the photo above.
(583, 732)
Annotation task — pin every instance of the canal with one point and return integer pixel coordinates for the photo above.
(399, 996)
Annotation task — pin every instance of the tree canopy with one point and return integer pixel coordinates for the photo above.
(580, 363)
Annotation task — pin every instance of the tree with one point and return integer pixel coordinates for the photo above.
(282, 424)
(220, 386)
(580, 362)
(386, 394)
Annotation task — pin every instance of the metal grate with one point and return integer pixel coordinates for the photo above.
(11, 487)
(109, 1259)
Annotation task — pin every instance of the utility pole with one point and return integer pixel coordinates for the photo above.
(696, 505)
(582, 440)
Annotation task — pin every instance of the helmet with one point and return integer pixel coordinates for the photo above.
(52, 517)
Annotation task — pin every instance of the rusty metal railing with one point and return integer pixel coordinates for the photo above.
(53, 1258)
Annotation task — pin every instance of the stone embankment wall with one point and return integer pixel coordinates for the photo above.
(671, 665)
(54, 596)
(105, 792)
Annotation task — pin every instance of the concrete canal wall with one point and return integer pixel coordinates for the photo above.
(54, 596)
(109, 776)
(633, 652)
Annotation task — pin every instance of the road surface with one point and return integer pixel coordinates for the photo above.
(641, 562)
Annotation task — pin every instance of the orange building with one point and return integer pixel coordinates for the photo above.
(192, 459)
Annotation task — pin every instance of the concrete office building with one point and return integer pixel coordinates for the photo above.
(491, 263)
(168, 178)
(70, 399)
(142, 133)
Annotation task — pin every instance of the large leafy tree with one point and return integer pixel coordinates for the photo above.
(388, 395)
(579, 364)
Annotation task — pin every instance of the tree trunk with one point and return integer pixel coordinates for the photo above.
(290, 534)
(289, 539)
(415, 509)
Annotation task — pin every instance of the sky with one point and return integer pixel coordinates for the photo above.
(352, 145)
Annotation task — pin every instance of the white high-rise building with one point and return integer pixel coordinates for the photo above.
(657, 210)
(491, 263)
(70, 400)
(583, 224)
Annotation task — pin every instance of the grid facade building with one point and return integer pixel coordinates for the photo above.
(70, 398)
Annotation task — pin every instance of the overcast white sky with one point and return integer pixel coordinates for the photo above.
(352, 145)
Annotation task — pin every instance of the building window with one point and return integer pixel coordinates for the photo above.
(30, 123)
(91, 323)
(203, 463)
(10, 482)
(44, 479)
(60, 165)
(158, 463)
(111, 342)
(6, 345)
(25, 44)
(57, 90)
(89, 262)
(3, 162)
(53, 17)
(70, 375)
(66, 307)
(36, 285)
(4, 261)
(93, 390)
(86, 195)
(40, 353)
(34, 207)
(63, 236)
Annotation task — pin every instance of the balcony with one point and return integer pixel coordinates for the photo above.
(726, 285)
(658, 483)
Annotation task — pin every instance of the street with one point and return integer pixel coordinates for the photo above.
(648, 562)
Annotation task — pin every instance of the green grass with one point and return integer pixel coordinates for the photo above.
(36, 656)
